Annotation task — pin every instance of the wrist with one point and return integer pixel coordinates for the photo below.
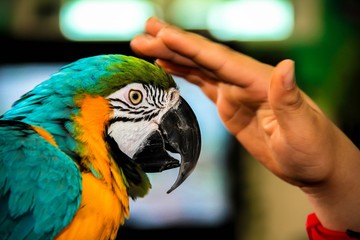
(336, 199)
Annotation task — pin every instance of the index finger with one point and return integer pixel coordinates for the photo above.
(227, 64)
(148, 44)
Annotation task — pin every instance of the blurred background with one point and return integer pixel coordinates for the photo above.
(229, 195)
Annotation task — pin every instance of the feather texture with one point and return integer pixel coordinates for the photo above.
(28, 161)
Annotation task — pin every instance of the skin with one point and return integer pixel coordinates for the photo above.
(269, 115)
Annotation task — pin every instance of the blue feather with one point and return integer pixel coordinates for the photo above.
(28, 161)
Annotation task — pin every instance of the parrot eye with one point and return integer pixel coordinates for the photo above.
(135, 96)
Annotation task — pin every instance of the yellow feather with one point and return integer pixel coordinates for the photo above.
(45, 134)
(90, 125)
(100, 213)
(105, 202)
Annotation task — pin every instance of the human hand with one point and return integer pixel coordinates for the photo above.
(262, 106)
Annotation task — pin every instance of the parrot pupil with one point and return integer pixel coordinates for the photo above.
(135, 96)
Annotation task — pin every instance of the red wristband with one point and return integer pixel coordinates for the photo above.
(316, 231)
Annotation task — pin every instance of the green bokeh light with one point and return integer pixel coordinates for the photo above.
(255, 20)
(104, 20)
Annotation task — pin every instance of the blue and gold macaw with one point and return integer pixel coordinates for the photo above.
(77, 147)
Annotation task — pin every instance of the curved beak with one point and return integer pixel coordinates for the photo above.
(178, 132)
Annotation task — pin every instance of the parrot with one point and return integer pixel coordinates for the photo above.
(78, 147)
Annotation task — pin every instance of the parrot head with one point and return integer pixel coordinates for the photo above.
(126, 105)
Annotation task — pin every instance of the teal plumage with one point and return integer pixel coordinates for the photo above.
(53, 200)
(45, 135)
(52, 103)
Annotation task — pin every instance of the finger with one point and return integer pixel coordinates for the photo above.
(194, 75)
(185, 48)
(153, 25)
(292, 109)
(214, 57)
(149, 46)
(185, 71)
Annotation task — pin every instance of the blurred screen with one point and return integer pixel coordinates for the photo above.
(202, 200)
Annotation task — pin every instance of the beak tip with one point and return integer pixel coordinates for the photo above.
(170, 190)
(186, 169)
(177, 183)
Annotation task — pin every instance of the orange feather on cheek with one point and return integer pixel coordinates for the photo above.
(90, 125)
(104, 201)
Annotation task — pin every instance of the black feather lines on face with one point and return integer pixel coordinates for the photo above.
(154, 97)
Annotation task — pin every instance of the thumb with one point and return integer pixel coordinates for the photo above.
(286, 100)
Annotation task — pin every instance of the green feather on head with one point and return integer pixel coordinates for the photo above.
(111, 72)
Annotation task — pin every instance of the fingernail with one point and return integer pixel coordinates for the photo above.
(157, 19)
(147, 36)
(289, 77)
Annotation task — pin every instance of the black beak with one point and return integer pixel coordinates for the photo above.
(178, 132)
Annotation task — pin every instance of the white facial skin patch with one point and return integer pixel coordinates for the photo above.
(138, 110)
